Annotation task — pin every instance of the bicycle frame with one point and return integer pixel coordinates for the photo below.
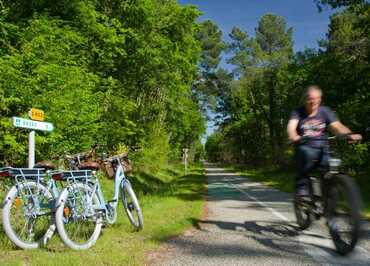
(119, 182)
(319, 183)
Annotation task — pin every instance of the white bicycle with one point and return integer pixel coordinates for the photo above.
(82, 210)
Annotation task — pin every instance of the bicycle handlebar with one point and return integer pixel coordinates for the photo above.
(116, 157)
(307, 138)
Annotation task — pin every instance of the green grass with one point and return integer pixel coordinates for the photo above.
(169, 200)
(284, 181)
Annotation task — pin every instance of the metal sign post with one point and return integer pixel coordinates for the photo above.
(185, 159)
(33, 125)
(31, 149)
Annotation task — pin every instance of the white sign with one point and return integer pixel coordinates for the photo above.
(31, 124)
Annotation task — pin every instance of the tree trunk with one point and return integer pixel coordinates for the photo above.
(274, 136)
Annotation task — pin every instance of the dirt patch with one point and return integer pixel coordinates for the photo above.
(153, 257)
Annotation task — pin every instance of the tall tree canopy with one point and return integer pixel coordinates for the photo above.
(269, 80)
(113, 72)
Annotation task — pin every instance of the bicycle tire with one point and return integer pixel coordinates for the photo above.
(352, 195)
(132, 206)
(78, 212)
(24, 206)
(303, 216)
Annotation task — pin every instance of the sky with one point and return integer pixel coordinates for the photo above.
(309, 25)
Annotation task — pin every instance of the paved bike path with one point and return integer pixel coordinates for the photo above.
(250, 224)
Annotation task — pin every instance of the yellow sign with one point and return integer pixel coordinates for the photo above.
(36, 114)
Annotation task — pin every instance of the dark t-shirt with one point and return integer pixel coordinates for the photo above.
(314, 126)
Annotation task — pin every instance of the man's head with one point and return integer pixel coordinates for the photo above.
(312, 98)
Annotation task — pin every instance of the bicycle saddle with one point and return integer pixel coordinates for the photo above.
(90, 165)
(45, 164)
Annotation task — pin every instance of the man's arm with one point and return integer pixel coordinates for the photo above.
(337, 128)
(292, 130)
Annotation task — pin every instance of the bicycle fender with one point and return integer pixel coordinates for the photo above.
(9, 195)
(61, 197)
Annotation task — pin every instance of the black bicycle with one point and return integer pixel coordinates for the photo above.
(336, 197)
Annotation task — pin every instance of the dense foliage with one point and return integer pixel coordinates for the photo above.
(269, 80)
(119, 73)
(142, 73)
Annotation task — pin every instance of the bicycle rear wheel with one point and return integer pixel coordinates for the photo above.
(302, 213)
(77, 218)
(344, 205)
(27, 214)
(131, 206)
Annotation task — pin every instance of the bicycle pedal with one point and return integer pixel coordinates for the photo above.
(317, 214)
(112, 201)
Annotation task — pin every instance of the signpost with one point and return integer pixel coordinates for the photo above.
(38, 115)
(185, 158)
(31, 124)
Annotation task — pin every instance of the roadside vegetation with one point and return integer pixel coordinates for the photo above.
(170, 200)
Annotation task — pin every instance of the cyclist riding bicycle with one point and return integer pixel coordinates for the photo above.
(313, 120)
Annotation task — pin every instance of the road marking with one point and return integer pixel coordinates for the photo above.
(276, 213)
(311, 245)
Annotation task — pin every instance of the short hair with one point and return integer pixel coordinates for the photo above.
(309, 89)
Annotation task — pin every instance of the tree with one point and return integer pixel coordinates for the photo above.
(273, 50)
(114, 72)
(241, 49)
(205, 86)
(337, 3)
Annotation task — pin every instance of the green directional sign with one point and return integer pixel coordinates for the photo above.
(31, 124)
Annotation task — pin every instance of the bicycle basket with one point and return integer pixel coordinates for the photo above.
(108, 169)
(126, 164)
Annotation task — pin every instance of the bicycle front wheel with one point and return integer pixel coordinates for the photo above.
(77, 217)
(27, 214)
(131, 206)
(344, 204)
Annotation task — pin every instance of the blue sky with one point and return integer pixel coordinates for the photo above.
(308, 24)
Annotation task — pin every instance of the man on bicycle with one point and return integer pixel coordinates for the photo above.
(313, 120)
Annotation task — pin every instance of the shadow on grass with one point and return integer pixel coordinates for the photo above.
(187, 187)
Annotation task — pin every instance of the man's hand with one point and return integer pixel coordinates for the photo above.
(352, 138)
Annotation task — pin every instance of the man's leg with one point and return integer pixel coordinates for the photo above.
(306, 158)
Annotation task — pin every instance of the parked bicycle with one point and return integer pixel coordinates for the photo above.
(336, 197)
(27, 207)
(82, 209)
(29, 204)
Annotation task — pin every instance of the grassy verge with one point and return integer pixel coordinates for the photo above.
(284, 181)
(170, 201)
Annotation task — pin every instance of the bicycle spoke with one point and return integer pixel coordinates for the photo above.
(30, 233)
(82, 223)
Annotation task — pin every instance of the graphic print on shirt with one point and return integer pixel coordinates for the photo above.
(313, 127)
